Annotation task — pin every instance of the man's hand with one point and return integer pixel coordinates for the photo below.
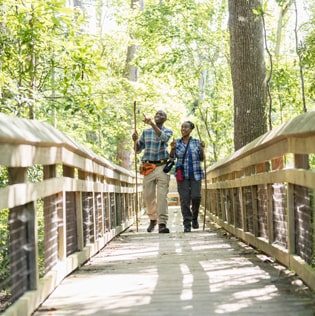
(147, 120)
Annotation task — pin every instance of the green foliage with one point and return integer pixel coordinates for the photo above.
(185, 45)
(3, 177)
(35, 174)
(40, 237)
(4, 250)
(56, 69)
(306, 50)
(285, 94)
(286, 83)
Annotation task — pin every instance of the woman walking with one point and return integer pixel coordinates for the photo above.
(189, 153)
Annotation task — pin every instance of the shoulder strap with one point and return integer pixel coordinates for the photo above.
(186, 150)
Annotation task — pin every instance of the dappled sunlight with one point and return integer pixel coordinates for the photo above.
(178, 248)
(232, 275)
(188, 279)
(199, 273)
(145, 252)
(209, 246)
(260, 294)
(244, 299)
(119, 291)
(225, 265)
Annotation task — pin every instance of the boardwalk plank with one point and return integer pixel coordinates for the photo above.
(198, 273)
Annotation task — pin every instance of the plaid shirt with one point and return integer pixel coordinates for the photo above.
(194, 146)
(154, 146)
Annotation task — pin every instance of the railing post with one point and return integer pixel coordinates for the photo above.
(71, 212)
(107, 211)
(228, 205)
(62, 241)
(270, 225)
(234, 205)
(301, 211)
(291, 219)
(103, 206)
(255, 210)
(94, 210)
(223, 205)
(102, 201)
(94, 216)
(79, 215)
(243, 209)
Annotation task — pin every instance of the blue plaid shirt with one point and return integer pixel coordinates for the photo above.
(194, 151)
(154, 146)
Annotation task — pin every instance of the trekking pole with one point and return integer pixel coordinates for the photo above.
(135, 150)
(206, 193)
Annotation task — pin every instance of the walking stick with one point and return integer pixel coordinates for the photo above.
(206, 193)
(135, 150)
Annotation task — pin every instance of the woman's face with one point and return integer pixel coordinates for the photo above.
(185, 129)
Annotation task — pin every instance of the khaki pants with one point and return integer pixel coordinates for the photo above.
(155, 189)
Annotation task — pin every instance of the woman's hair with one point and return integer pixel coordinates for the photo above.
(192, 125)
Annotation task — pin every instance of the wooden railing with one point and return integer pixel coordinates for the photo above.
(78, 201)
(264, 195)
(60, 204)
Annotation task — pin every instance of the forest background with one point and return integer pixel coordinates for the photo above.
(81, 65)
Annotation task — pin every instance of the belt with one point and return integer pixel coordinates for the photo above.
(157, 162)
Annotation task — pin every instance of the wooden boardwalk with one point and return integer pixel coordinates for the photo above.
(199, 273)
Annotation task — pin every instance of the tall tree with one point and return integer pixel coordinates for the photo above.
(131, 74)
(248, 71)
(284, 8)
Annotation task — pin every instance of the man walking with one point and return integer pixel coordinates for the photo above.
(154, 143)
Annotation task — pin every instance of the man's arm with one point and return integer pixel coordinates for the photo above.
(156, 129)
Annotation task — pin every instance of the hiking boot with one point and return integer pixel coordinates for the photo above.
(187, 229)
(151, 226)
(163, 229)
(195, 223)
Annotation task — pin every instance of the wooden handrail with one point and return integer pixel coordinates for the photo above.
(81, 200)
(264, 194)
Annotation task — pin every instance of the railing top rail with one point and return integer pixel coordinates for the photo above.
(301, 126)
(18, 132)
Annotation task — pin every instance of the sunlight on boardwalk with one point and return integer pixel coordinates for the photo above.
(198, 273)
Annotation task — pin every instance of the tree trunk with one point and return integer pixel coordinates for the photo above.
(248, 71)
(283, 11)
(130, 70)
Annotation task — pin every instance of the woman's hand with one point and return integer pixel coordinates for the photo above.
(173, 147)
(202, 146)
(173, 144)
(135, 136)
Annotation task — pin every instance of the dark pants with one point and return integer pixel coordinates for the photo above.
(190, 195)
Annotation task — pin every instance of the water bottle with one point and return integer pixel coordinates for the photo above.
(168, 167)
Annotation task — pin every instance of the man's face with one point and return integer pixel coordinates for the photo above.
(160, 117)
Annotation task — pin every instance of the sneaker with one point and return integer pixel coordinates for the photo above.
(187, 229)
(195, 223)
(151, 226)
(163, 229)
